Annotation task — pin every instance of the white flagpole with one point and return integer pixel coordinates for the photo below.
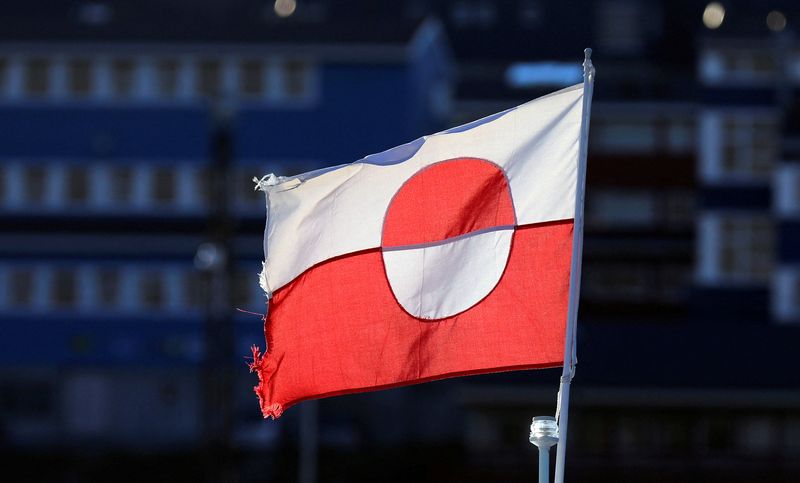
(562, 405)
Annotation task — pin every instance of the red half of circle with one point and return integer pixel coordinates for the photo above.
(448, 199)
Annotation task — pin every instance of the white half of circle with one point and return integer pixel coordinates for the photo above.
(434, 282)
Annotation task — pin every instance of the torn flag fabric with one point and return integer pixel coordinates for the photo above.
(443, 257)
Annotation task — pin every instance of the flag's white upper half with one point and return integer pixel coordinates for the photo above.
(321, 215)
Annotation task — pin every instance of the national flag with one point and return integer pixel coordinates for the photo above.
(446, 256)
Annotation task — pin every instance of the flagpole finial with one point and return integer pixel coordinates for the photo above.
(588, 67)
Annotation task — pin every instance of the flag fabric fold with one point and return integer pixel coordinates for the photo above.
(444, 257)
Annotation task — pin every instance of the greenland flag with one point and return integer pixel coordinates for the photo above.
(447, 256)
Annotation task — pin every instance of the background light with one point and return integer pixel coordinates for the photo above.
(284, 8)
(776, 21)
(713, 15)
(535, 74)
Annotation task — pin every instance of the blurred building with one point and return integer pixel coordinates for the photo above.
(131, 132)
(119, 121)
(689, 284)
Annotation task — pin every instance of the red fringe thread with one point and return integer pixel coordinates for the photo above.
(259, 366)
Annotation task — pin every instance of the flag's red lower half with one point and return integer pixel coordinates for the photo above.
(338, 328)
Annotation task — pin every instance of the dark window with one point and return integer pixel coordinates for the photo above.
(63, 288)
(152, 290)
(80, 77)
(77, 184)
(21, 282)
(35, 179)
(122, 72)
(296, 76)
(205, 184)
(164, 185)
(37, 77)
(194, 295)
(108, 287)
(721, 436)
(209, 78)
(252, 78)
(3, 73)
(121, 184)
(167, 77)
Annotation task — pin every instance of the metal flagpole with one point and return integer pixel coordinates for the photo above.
(562, 405)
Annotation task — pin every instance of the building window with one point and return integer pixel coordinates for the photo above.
(251, 78)
(738, 66)
(167, 73)
(720, 436)
(615, 208)
(616, 282)
(746, 248)
(37, 77)
(107, 287)
(750, 146)
(665, 131)
(205, 184)
(35, 184)
(151, 289)
(735, 248)
(79, 77)
(624, 135)
(164, 185)
(612, 208)
(193, 286)
(680, 135)
(63, 288)
(21, 287)
(121, 184)
(635, 282)
(296, 78)
(209, 82)
(3, 75)
(680, 208)
(122, 76)
(77, 184)
(791, 436)
(739, 146)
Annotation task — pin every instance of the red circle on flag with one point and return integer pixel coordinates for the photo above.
(447, 237)
(446, 200)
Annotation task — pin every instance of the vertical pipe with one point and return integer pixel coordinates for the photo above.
(308, 442)
(544, 464)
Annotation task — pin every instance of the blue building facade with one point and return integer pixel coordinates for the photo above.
(106, 193)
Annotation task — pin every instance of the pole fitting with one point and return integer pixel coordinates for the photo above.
(544, 431)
